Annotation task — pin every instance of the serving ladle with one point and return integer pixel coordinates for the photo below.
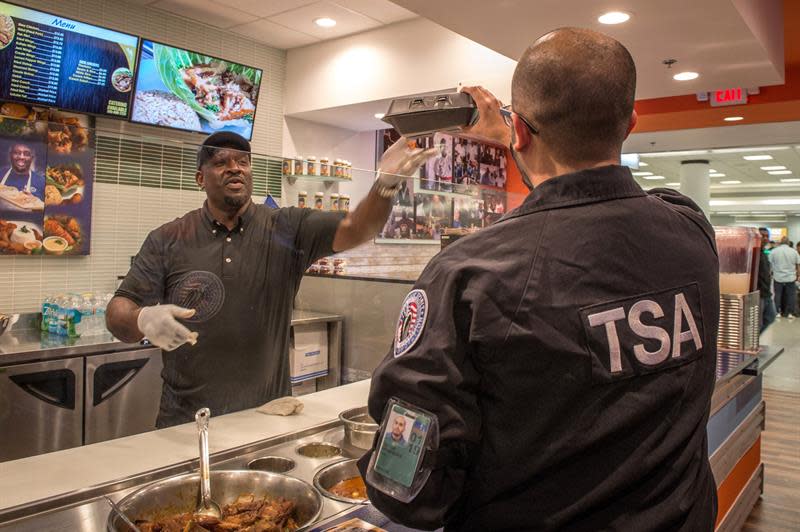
(207, 510)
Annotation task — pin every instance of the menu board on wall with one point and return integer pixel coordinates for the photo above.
(46, 181)
(52, 61)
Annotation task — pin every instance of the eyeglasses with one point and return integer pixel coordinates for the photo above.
(506, 113)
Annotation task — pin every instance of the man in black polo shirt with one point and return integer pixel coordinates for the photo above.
(238, 358)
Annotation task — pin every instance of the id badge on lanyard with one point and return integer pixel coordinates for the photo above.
(406, 435)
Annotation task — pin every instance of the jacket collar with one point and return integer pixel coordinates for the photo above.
(580, 188)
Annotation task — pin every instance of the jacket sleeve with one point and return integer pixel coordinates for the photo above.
(436, 373)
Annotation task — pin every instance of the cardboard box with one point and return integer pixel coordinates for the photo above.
(309, 352)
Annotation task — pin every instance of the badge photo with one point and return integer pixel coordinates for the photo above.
(411, 323)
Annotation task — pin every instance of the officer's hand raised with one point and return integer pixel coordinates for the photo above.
(490, 125)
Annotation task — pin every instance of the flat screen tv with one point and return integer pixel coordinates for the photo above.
(187, 90)
(52, 61)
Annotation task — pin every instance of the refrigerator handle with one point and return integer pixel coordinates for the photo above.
(111, 377)
(56, 387)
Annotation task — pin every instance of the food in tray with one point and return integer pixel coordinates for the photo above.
(248, 512)
(65, 227)
(350, 488)
(22, 238)
(17, 110)
(20, 199)
(122, 79)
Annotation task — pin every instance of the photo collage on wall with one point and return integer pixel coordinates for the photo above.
(46, 181)
(456, 167)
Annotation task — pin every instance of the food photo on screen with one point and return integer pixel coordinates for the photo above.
(52, 61)
(186, 90)
(21, 236)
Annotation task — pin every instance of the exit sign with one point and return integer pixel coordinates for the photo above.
(734, 96)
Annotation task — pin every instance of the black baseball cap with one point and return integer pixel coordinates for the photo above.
(221, 139)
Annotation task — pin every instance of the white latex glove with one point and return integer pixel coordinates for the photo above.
(400, 162)
(283, 406)
(158, 324)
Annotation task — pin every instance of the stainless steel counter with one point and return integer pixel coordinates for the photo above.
(25, 345)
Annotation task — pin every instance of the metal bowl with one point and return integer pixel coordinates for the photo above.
(359, 428)
(329, 475)
(272, 464)
(319, 450)
(178, 494)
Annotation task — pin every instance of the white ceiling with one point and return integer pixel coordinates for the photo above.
(286, 23)
(710, 37)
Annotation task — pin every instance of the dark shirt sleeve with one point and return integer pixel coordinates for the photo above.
(764, 276)
(144, 284)
(437, 374)
(315, 231)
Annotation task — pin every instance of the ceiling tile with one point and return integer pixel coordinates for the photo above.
(347, 22)
(381, 10)
(265, 8)
(205, 11)
(273, 34)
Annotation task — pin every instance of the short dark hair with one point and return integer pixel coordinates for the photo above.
(220, 139)
(578, 87)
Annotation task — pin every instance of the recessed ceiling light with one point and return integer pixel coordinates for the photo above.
(732, 182)
(780, 172)
(685, 76)
(672, 184)
(642, 173)
(613, 17)
(792, 180)
(766, 168)
(711, 170)
(653, 177)
(733, 118)
(757, 157)
(716, 174)
(741, 150)
(379, 115)
(643, 164)
(325, 22)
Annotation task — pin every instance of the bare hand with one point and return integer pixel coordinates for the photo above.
(490, 125)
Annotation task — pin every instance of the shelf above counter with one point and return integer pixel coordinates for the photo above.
(327, 180)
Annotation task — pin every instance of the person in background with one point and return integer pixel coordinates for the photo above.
(237, 359)
(765, 282)
(21, 171)
(785, 262)
(572, 383)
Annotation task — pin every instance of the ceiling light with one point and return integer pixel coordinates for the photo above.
(757, 157)
(613, 17)
(673, 153)
(716, 174)
(685, 76)
(733, 118)
(643, 164)
(792, 180)
(742, 150)
(732, 182)
(711, 170)
(780, 172)
(379, 115)
(672, 184)
(766, 168)
(325, 22)
(652, 177)
(642, 173)
(781, 202)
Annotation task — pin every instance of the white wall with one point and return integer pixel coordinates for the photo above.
(405, 58)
